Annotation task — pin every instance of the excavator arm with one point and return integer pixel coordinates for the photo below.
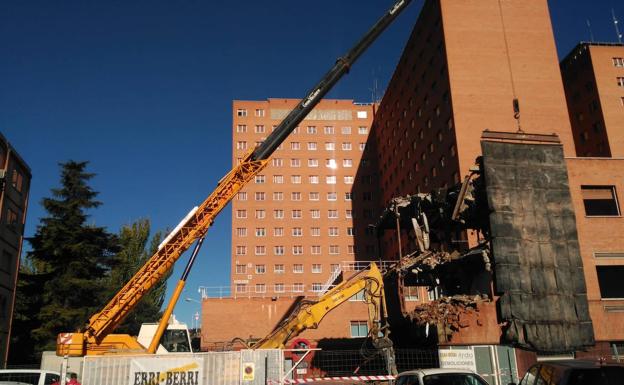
(96, 337)
(309, 314)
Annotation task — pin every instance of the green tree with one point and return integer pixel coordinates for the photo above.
(68, 265)
(134, 253)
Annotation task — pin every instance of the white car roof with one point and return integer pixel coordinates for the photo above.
(427, 372)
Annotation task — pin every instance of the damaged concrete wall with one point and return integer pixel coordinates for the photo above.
(537, 263)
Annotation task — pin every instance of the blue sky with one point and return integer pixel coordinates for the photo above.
(143, 90)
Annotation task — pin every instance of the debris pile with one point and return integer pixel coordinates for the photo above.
(447, 311)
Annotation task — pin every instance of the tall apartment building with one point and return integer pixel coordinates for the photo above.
(14, 186)
(293, 226)
(462, 67)
(593, 76)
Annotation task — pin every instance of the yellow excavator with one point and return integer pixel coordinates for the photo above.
(309, 313)
(96, 337)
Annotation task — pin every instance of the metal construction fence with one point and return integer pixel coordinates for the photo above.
(251, 367)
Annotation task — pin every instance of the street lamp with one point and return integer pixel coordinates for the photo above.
(195, 319)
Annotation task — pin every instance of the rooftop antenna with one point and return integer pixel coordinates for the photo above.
(591, 33)
(617, 29)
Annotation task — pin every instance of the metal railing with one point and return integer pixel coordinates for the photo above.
(249, 289)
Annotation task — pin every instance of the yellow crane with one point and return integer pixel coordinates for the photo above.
(96, 337)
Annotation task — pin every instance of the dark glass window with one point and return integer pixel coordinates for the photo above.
(610, 280)
(600, 200)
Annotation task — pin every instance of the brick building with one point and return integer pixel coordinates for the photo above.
(14, 186)
(462, 67)
(293, 227)
(593, 76)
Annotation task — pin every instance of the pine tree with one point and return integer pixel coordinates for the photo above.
(133, 240)
(68, 264)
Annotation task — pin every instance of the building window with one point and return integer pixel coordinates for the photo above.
(298, 287)
(346, 146)
(315, 249)
(241, 145)
(242, 196)
(330, 179)
(315, 231)
(298, 268)
(296, 214)
(314, 196)
(410, 293)
(347, 163)
(295, 196)
(317, 268)
(241, 250)
(295, 146)
(348, 179)
(242, 128)
(260, 232)
(241, 231)
(278, 250)
(260, 269)
(610, 280)
(295, 179)
(313, 179)
(332, 214)
(278, 179)
(317, 287)
(350, 249)
(278, 268)
(278, 196)
(333, 231)
(331, 163)
(345, 130)
(241, 288)
(312, 146)
(260, 196)
(313, 163)
(260, 250)
(330, 146)
(329, 130)
(334, 267)
(358, 297)
(362, 146)
(350, 231)
(620, 81)
(362, 130)
(618, 62)
(359, 329)
(260, 214)
(297, 250)
(297, 232)
(334, 249)
(295, 162)
(278, 231)
(241, 269)
(260, 129)
(600, 201)
(241, 112)
(260, 288)
(279, 287)
(277, 162)
(332, 196)
(311, 129)
(315, 213)
(260, 179)
(241, 214)
(348, 214)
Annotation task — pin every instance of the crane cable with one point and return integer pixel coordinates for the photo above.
(516, 103)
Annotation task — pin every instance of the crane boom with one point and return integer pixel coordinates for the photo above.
(96, 338)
